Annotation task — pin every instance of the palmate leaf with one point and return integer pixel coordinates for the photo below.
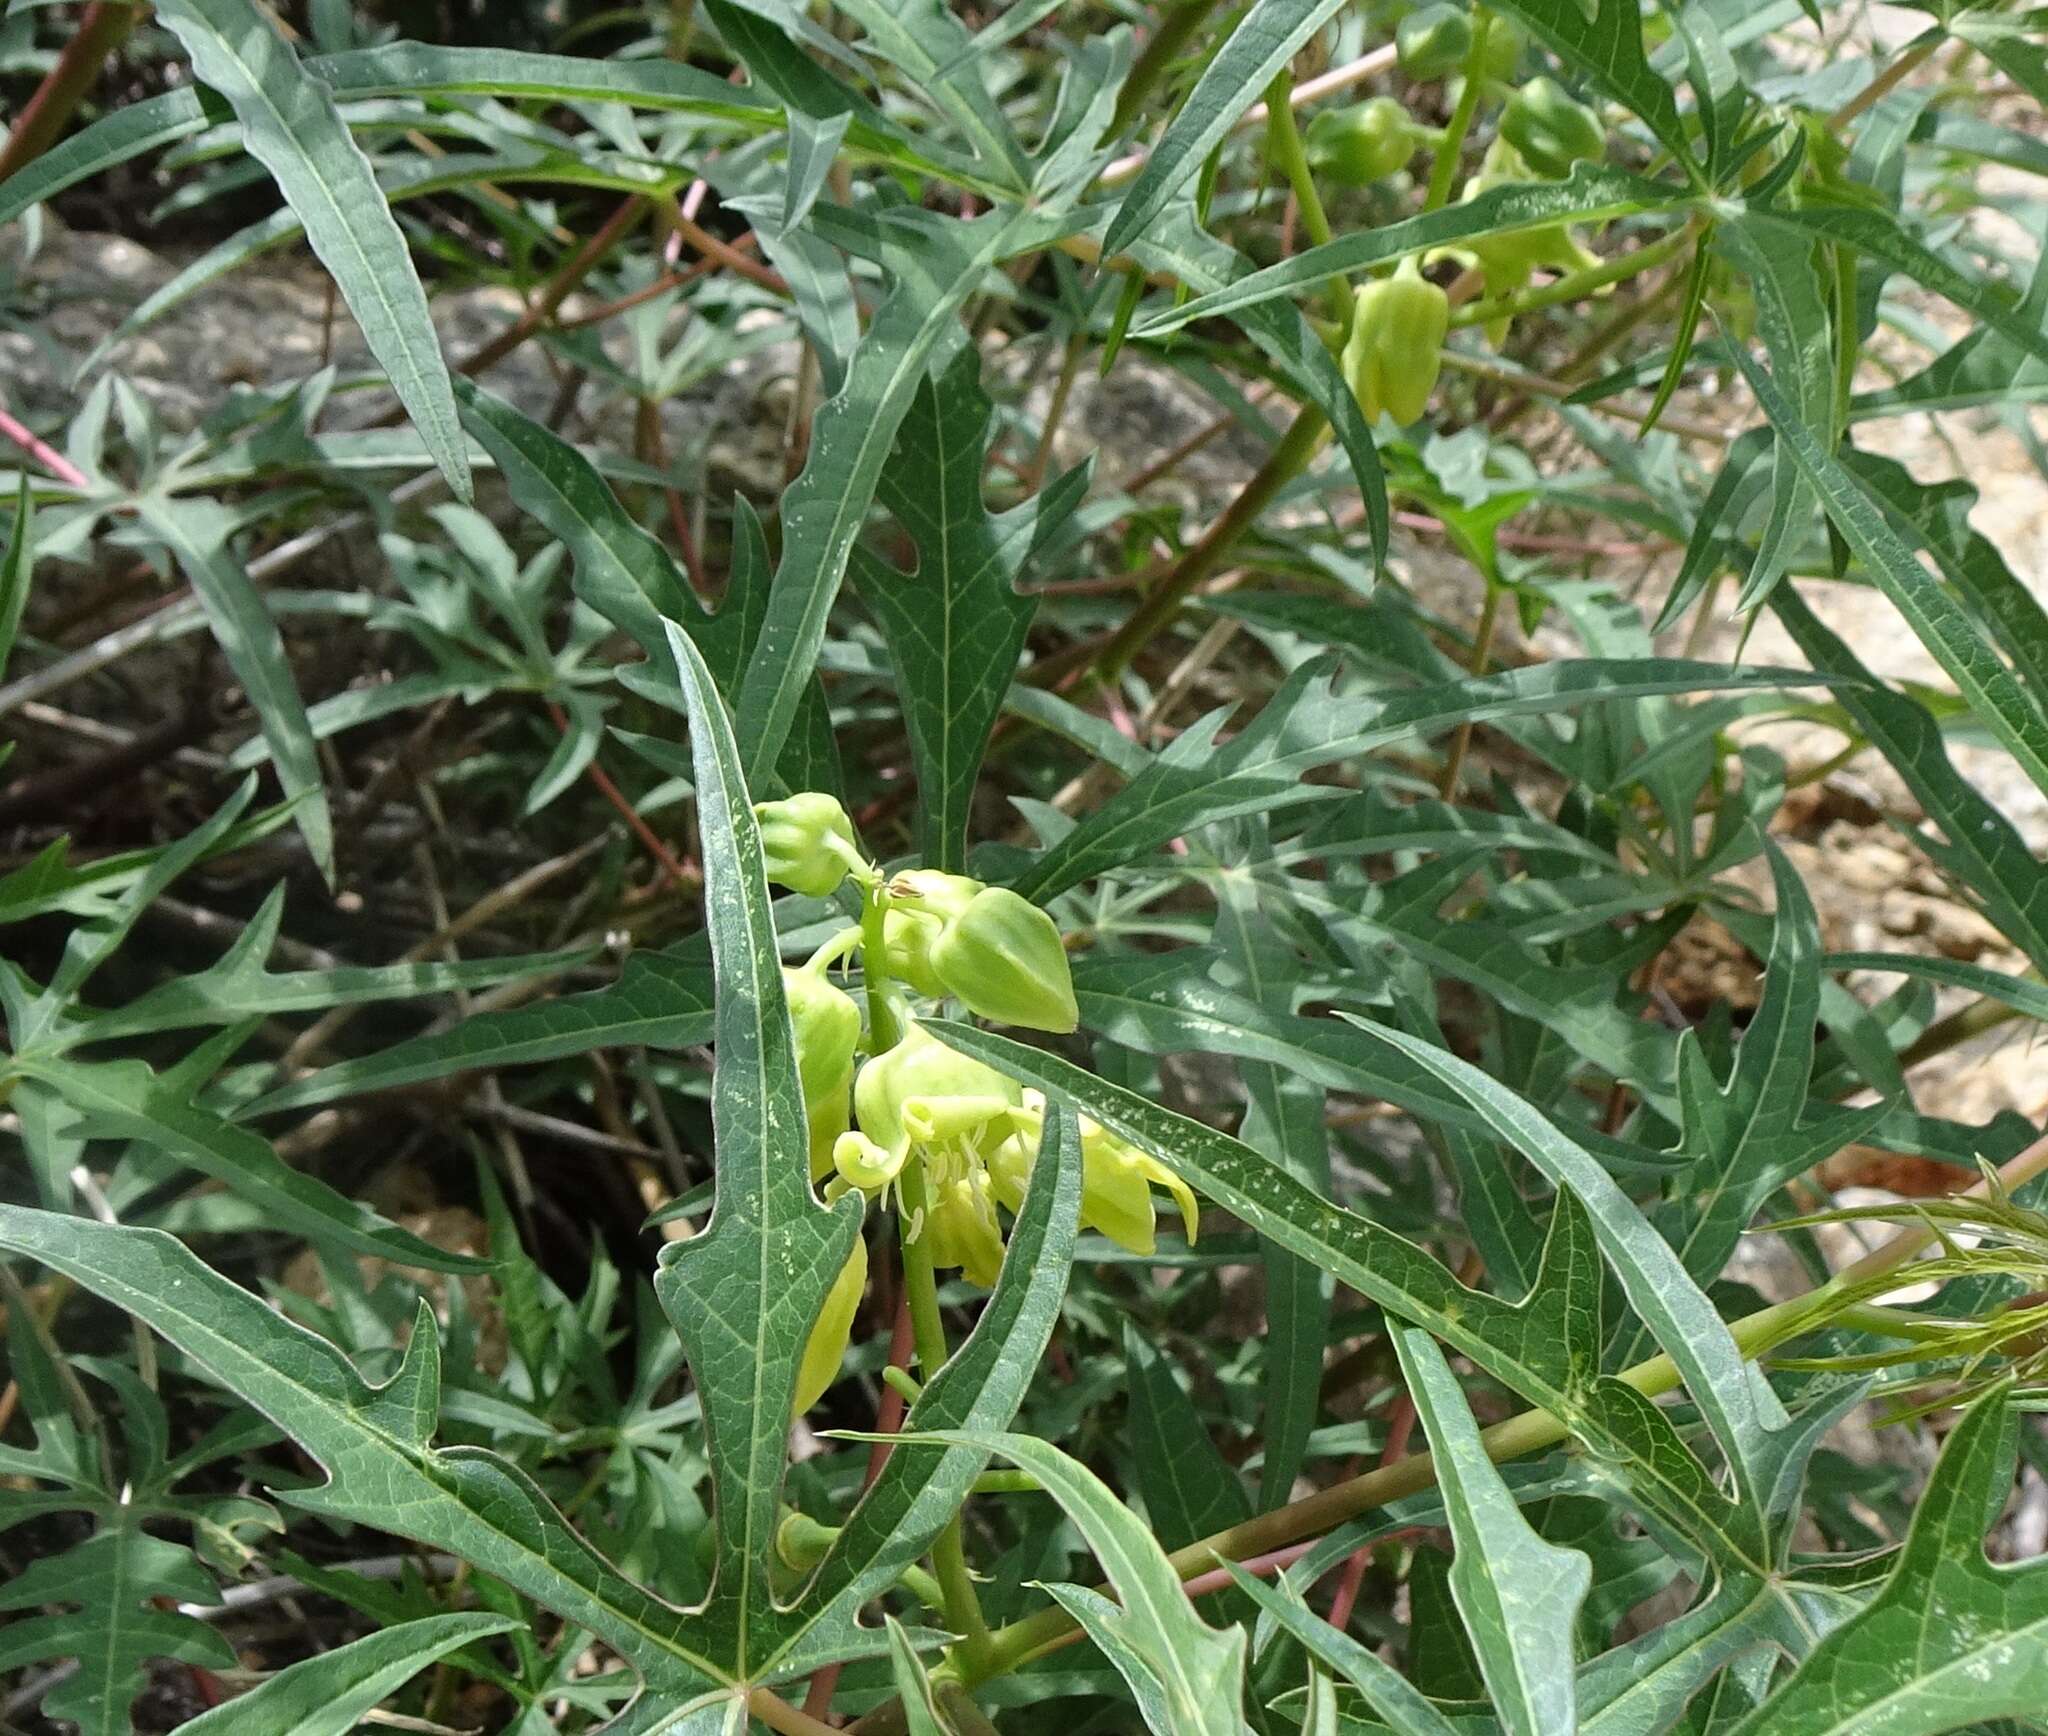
(934, 267)
(1949, 1640)
(1793, 322)
(290, 124)
(1745, 1138)
(1583, 999)
(629, 578)
(1936, 517)
(1264, 40)
(956, 623)
(116, 1628)
(126, 1100)
(1545, 1347)
(1605, 43)
(933, 51)
(1983, 367)
(329, 1694)
(239, 985)
(406, 69)
(1187, 1677)
(1977, 844)
(744, 1293)
(1519, 1596)
(661, 1001)
(2007, 709)
(1404, 1707)
(373, 1442)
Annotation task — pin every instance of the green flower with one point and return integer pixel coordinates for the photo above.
(1395, 351)
(920, 1096)
(825, 1349)
(1116, 1180)
(827, 1024)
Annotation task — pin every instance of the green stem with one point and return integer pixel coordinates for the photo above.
(1443, 173)
(920, 1278)
(1174, 32)
(884, 1030)
(1577, 285)
(1286, 461)
(1482, 654)
(1284, 141)
(928, 1330)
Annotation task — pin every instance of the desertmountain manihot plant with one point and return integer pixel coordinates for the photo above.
(887, 869)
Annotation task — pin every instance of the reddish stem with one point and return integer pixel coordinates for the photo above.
(1400, 1426)
(677, 874)
(43, 453)
(102, 30)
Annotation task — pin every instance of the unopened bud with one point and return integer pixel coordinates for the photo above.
(1002, 957)
(907, 938)
(808, 842)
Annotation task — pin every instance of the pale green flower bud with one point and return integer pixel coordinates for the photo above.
(808, 842)
(907, 938)
(1002, 957)
(931, 893)
(827, 1024)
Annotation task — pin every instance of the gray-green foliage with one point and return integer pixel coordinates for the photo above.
(1377, 911)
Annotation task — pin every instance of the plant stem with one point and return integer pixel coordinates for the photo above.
(1577, 285)
(102, 30)
(1286, 461)
(1284, 140)
(928, 1326)
(1482, 652)
(1173, 33)
(1885, 82)
(1443, 172)
(778, 1714)
(920, 1279)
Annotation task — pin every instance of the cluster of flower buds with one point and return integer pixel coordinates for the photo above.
(972, 1131)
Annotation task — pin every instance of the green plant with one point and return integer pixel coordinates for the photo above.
(647, 972)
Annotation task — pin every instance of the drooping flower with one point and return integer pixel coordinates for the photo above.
(825, 1349)
(1116, 1180)
(923, 1103)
